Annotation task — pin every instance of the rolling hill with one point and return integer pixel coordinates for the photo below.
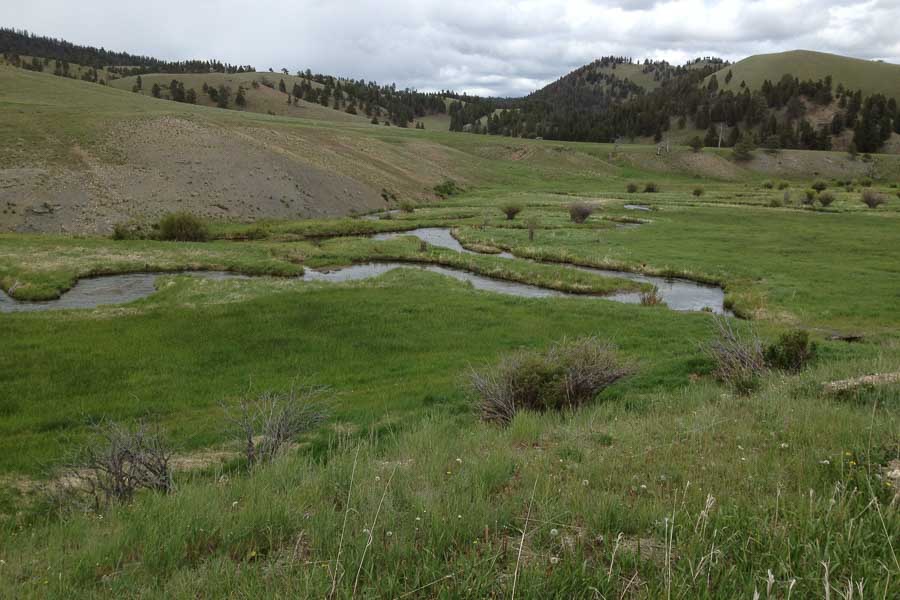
(871, 77)
(263, 98)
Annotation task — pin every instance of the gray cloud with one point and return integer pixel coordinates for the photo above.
(502, 47)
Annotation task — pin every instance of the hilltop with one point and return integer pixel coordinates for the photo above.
(868, 76)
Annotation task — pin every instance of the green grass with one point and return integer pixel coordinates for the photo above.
(690, 493)
(668, 485)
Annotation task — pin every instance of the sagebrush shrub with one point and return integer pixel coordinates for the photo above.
(182, 227)
(698, 191)
(792, 352)
(632, 188)
(448, 187)
(566, 375)
(819, 186)
(650, 188)
(826, 198)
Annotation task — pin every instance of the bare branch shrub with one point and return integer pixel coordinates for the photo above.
(115, 464)
(271, 421)
(739, 358)
(580, 211)
(511, 210)
(567, 375)
(872, 199)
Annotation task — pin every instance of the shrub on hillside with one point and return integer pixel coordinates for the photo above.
(809, 196)
(783, 185)
(698, 191)
(182, 227)
(131, 230)
(768, 185)
(567, 375)
(580, 211)
(738, 357)
(650, 188)
(696, 143)
(864, 182)
(819, 185)
(511, 210)
(872, 199)
(792, 352)
(826, 198)
(407, 206)
(448, 187)
(631, 188)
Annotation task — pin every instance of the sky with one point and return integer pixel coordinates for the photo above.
(485, 47)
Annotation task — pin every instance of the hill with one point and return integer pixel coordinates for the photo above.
(868, 76)
(82, 157)
(261, 91)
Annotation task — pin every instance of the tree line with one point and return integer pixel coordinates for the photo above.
(22, 43)
(599, 106)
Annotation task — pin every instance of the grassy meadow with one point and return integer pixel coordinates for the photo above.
(669, 484)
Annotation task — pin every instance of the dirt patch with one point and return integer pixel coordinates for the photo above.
(168, 164)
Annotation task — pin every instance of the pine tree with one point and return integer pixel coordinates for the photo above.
(712, 137)
(155, 90)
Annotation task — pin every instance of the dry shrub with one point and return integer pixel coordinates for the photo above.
(566, 375)
(738, 357)
(116, 463)
(271, 421)
(580, 211)
(651, 297)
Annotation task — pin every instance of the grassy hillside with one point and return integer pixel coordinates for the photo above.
(82, 157)
(260, 99)
(871, 77)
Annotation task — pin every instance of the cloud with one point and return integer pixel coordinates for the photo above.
(500, 47)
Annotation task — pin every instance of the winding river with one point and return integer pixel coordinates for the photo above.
(678, 294)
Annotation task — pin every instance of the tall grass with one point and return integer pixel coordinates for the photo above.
(692, 494)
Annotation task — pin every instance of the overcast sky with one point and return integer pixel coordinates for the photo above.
(487, 47)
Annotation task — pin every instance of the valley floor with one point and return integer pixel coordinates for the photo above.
(669, 484)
